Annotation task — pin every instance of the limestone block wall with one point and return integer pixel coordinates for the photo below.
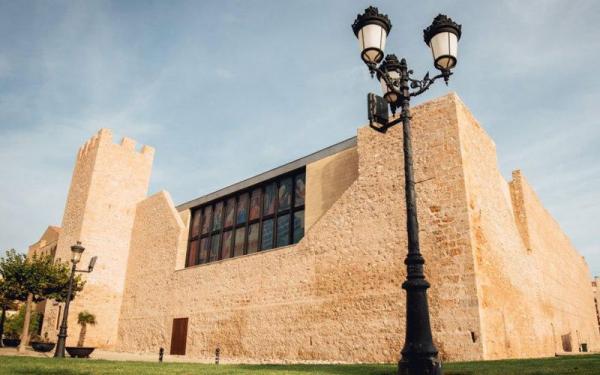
(529, 277)
(47, 243)
(596, 294)
(329, 178)
(108, 181)
(335, 296)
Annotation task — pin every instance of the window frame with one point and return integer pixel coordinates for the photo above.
(235, 197)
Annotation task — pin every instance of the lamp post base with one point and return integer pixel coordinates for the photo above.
(420, 366)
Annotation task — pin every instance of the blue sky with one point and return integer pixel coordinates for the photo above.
(227, 89)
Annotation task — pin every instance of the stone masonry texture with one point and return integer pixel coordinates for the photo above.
(108, 181)
(506, 281)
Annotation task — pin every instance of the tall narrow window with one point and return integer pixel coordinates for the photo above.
(255, 204)
(193, 253)
(242, 209)
(196, 223)
(215, 246)
(240, 236)
(204, 248)
(207, 220)
(227, 242)
(267, 235)
(269, 200)
(229, 212)
(300, 190)
(285, 194)
(283, 230)
(253, 238)
(298, 226)
(218, 216)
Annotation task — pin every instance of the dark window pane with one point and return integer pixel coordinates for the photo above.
(192, 253)
(267, 235)
(229, 212)
(298, 226)
(207, 219)
(215, 245)
(300, 190)
(255, 204)
(204, 250)
(253, 238)
(226, 253)
(269, 200)
(283, 230)
(238, 247)
(195, 223)
(285, 194)
(242, 209)
(218, 216)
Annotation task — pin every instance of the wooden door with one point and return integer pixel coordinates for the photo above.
(179, 336)
(566, 342)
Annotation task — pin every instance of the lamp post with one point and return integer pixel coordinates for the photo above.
(76, 251)
(419, 354)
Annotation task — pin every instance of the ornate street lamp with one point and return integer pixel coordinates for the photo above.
(419, 354)
(76, 251)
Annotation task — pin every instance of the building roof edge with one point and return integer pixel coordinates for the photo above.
(288, 167)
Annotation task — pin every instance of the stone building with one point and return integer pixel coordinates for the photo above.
(305, 262)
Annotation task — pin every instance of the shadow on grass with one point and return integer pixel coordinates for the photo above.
(323, 369)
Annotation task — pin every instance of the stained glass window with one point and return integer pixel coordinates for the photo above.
(218, 216)
(300, 190)
(229, 212)
(267, 235)
(238, 247)
(226, 252)
(260, 217)
(207, 219)
(196, 223)
(193, 253)
(269, 201)
(283, 230)
(253, 238)
(215, 244)
(298, 226)
(242, 209)
(204, 250)
(255, 204)
(285, 194)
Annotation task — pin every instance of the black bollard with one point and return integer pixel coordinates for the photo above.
(217, 354)
(161, 352)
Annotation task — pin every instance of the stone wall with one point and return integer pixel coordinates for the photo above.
(108, 180)
(506, 282)
(336, 296)
(596, 293)
(529, 276)
(329, 178)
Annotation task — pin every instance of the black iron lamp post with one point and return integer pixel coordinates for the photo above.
(419, 354)
(76, 251)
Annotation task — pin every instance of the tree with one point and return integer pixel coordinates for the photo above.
(13, 326)
(6, 303)
(83, 319)
(33, 279)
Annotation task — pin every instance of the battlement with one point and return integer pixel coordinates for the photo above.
(105, 137)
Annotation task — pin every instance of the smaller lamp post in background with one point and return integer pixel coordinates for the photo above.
(419, 354)
(76, 251)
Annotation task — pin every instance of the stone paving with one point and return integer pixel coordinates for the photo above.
(101, 354)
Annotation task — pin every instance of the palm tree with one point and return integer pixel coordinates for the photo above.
(83, 319)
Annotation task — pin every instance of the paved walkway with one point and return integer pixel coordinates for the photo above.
(103, 354)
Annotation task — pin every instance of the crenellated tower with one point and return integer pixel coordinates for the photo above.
(108, 181)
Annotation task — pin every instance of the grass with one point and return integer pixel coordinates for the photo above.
(581, 365)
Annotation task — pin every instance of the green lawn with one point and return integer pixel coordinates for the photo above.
(584, 365)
